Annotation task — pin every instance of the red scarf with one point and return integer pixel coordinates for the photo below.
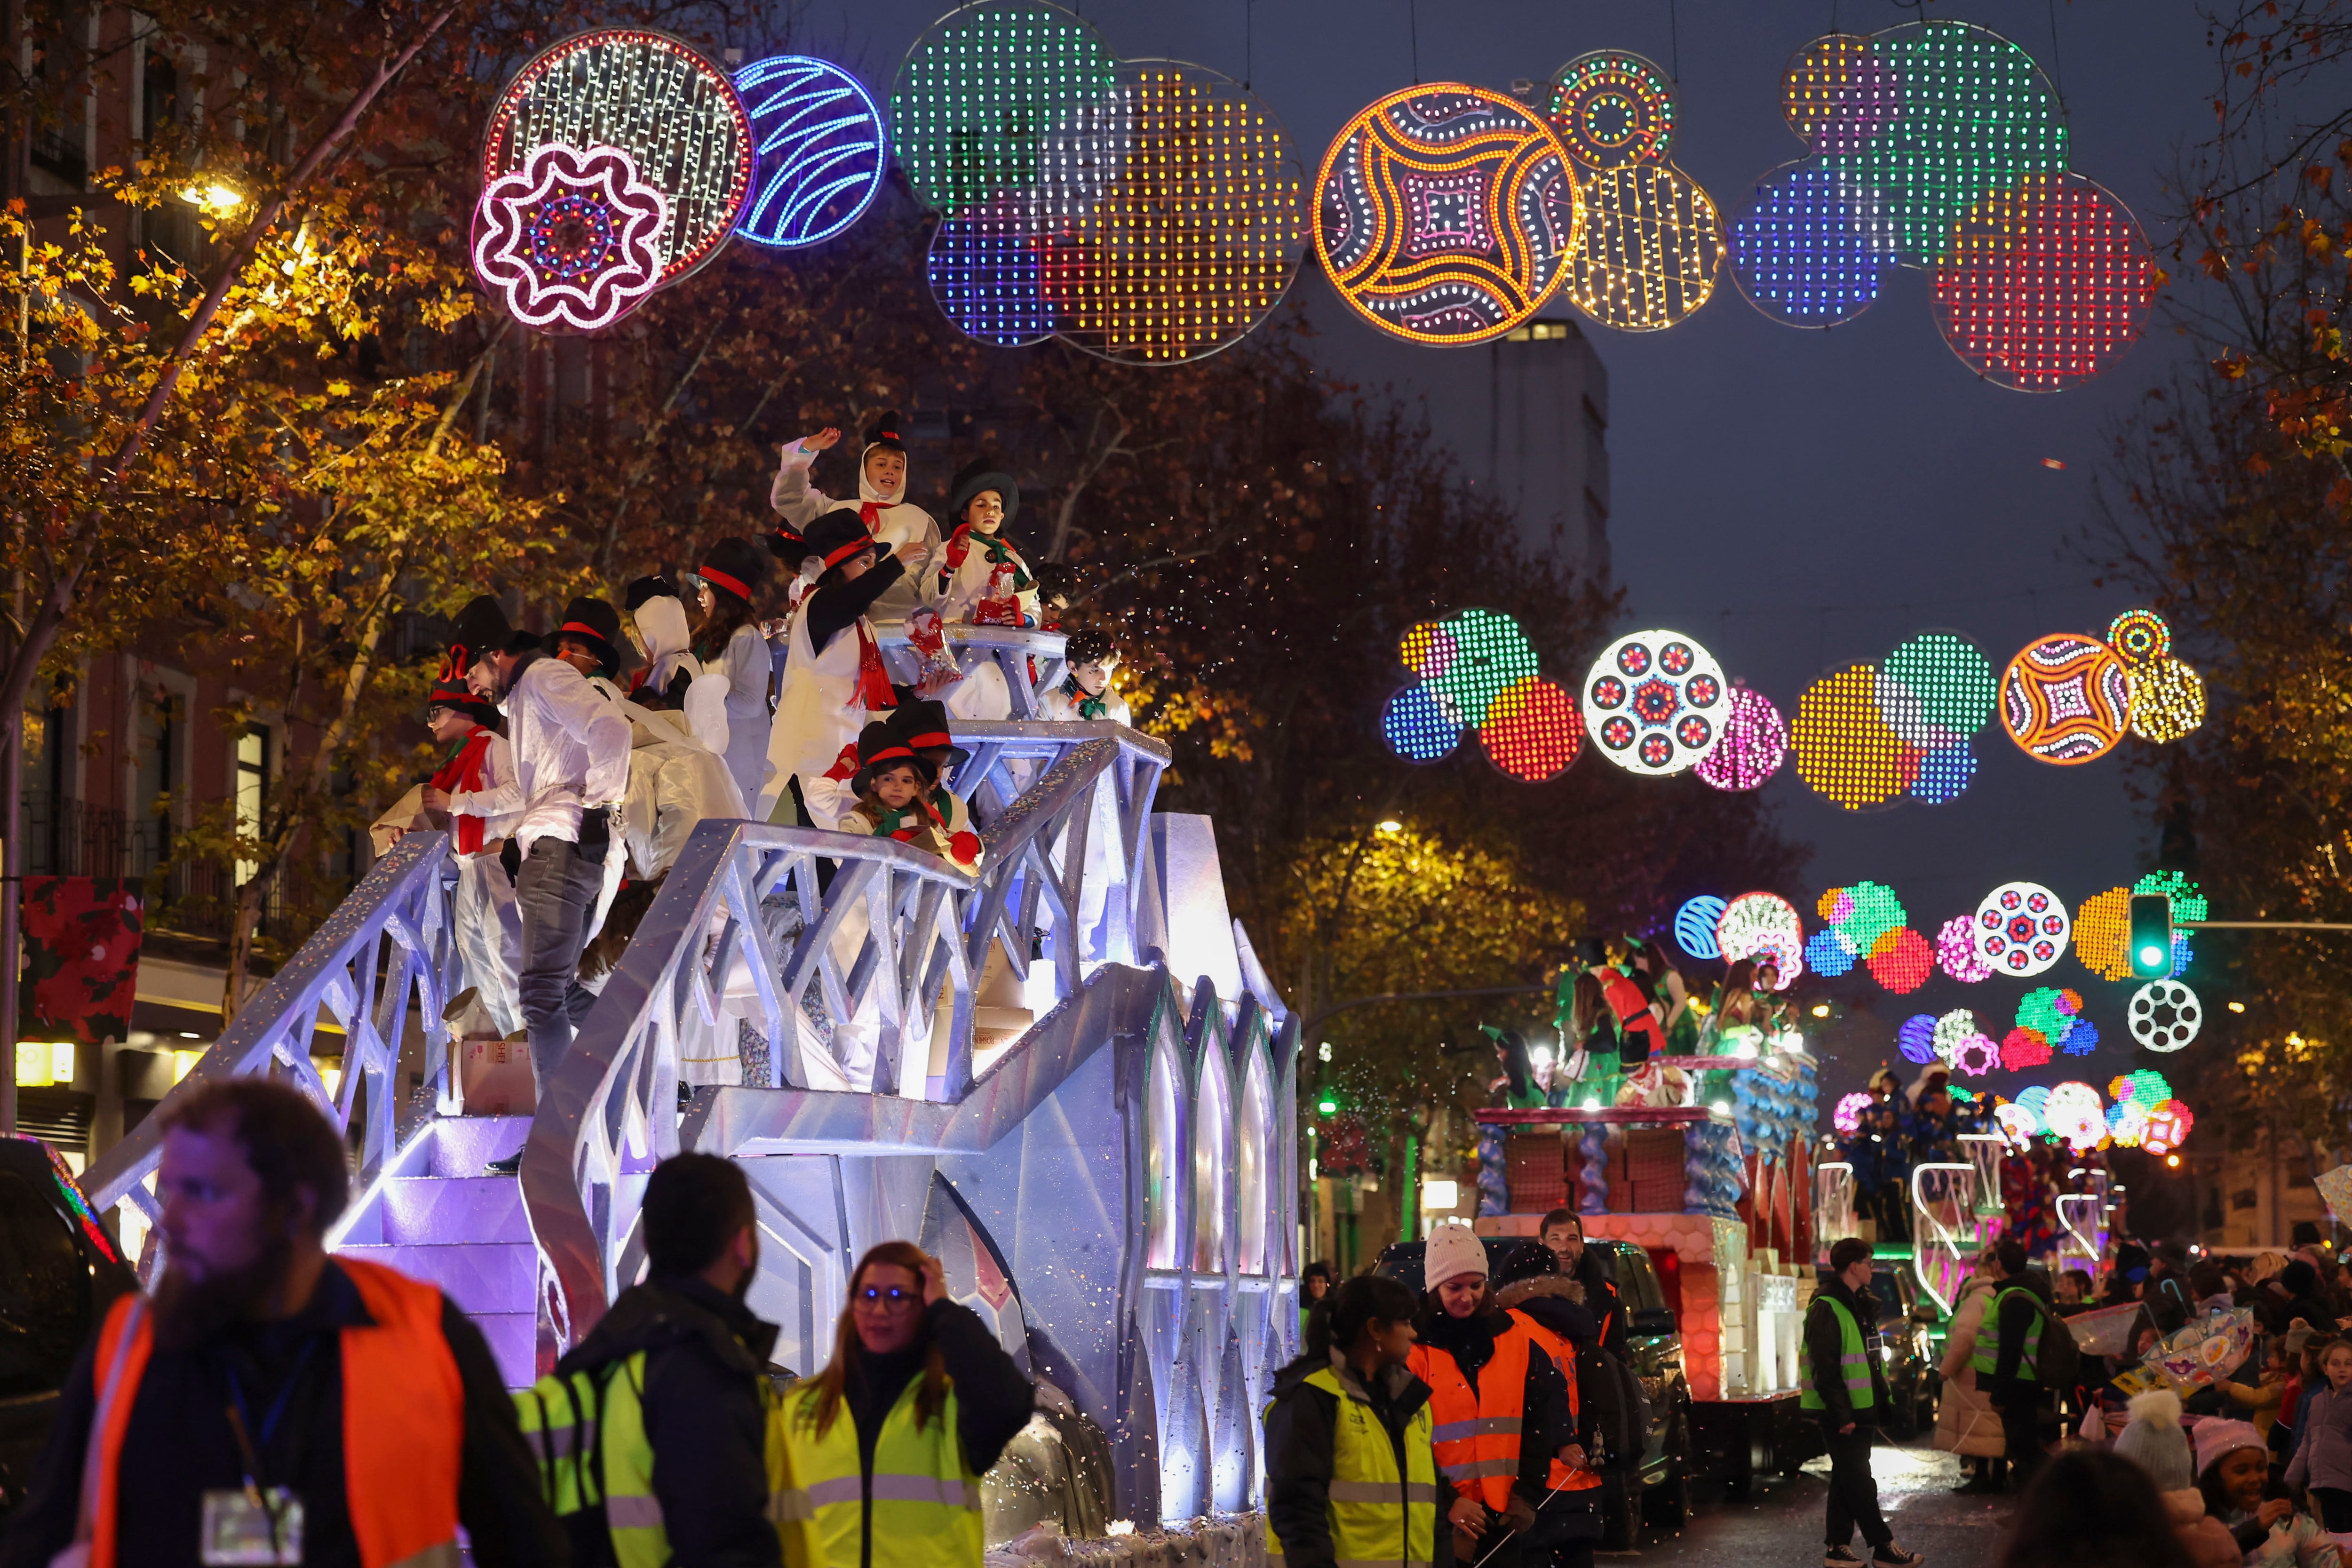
(462, 774)
(873, 690)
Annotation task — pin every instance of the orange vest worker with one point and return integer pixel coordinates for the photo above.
(1477, 1431)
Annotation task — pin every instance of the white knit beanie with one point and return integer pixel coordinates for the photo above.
(1454, 1248)
(2155, 1442)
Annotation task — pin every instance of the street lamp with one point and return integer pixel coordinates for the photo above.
(215, 196)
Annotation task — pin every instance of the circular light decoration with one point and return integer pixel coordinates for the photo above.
(819, 154)
(1956, 951)
(2145, 1085)
(2065, 699)
(2022, 928)
(1916, 1038)
(2167, 1128)
(2082, 1038)
(675, 116)
(1417, 727)
(1489, 654)
(1612, 110)
(1184, 250)
(1845, 749)
(2017, 1124)
(1428, 649)
(1654, 701)
(1447, 213)
(2023, 1047)
(1945, 773)
(1976, 1056)
(1936, 690)
(1847, 1117)
(2103, 933)
(2044, 282)
(572, 240)
(2075, 1112)
(1755, 924)
(2050, 1011)
(2165, 1016)
(1694, 926)
(1755, 739)
(1813, 248)
(2035, 1101)
(1531, 731)
(1652, 244)
(987, 276)
(1900, 960)
(2139, 637)
(2168, 700)
(978, 97)
(1827, 954)
(1951, 1029)
(1863, 913)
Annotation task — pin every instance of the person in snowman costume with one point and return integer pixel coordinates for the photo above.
(977, 577)
(1085, 691)
(733, 650)
(881, 508)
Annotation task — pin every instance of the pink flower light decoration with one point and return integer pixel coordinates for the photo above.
(1956, 950)
(1755, 740)
(570, 242)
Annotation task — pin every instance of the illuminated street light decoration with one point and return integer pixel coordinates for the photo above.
(2017, 1124)
(1847, 1117)
(2167, 1128)
(979, 95)
(2166, 697)
(2082, 1039)
(572, 240)
(820, 155)
(1484, 654)
(2189, 906)
(1828, 955)
(2023, 1047)
(1655, 703)
(1900, 960)
(1478, 671)
(2139, 637)
(1936, 690)
(2052, 1012)
(1755, 924)
(2165, 1016)
(1956, 951)
(1447, 213)
(675, 116)
(2075, 1113)
(1755, 740)
(1916, 1040)
(1951, 1029)
(1417, 726)
(1940, 145)
(1653, 239)
(1845, 749)
(2145, 1085)
(1976, 1055)
(2103, 933)
(1531, 731)
(2022, 928)
(986, 276)
(1694, 926)
(2064, 699)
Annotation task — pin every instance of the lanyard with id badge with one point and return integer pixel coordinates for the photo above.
(258, 1524)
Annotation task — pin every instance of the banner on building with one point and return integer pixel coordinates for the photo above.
(82, 958)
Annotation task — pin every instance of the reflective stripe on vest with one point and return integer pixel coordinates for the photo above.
(404, 1422)
(1378, 1518)
(1853, 1362)
(925, 1500)
(587, 1430)
(1985, 1359)
(1563, 1356)
(1477, 1431)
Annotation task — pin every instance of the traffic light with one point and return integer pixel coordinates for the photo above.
(2151, 936)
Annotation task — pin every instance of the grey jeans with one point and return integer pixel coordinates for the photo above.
(555, 892)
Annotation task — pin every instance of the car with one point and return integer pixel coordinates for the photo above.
(1657, 1487)
(59, 1273)
(1906, 1352)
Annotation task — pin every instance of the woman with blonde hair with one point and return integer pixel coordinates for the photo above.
(882, 1452)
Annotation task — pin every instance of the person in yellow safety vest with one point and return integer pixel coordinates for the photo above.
(1840, 1382)
(876, 1460)
(2006, 1363)
(1351, 1467)
(1505, 1420)
(651, 1433)
(270, 1403)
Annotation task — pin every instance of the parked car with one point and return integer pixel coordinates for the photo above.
(59, 1273)
(1657, 1487)
(1907, 1318)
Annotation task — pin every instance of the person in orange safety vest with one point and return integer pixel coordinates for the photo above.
(1506, 1412)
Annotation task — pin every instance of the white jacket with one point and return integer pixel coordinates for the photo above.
(570, 750)
(1060, 705)
(891, 519)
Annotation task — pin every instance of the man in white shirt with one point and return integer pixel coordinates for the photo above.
(571, 760)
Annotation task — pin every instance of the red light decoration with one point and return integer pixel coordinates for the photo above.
(2024, 1048)
(1900, 960)
(2044, 283)
(569, 242)
(2167, 1128)
(1532, 729)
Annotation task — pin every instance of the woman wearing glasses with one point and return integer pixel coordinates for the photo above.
(882, 1452)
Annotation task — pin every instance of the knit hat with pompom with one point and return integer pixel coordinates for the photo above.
(2155, 1442)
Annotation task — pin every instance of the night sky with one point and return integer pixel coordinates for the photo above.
(1798, 500)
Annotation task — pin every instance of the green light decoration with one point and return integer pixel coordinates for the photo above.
(2188, 902)
(1936, 690)
(1872, 911)
(979, 94)
(1489, 654)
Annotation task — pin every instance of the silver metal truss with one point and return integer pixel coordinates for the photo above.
(389, 946)
(1031, 661)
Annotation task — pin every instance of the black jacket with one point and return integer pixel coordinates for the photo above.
(832, 609)
(705, 1359)
(1547, 1418)
(1558, 1304)
(1600, 1299)
(1823, 1344)
(179, 1445)
(1299, 1423)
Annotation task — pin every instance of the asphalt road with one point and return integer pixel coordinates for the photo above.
(1778, 1525)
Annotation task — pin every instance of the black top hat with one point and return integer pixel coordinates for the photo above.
(983, 474)
(1090, 648)
(785, 543)
(887, 433)
(922, 723)
(734, 566)
(451, 691)
(643, 591)
(1054, 580)
(878, 746)
(596, 624)
(479, 629)
(838, 535)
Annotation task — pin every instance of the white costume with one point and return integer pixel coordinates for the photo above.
(489, 928)
(825, 694)
(745, 667)
(962, 577)
(1060, 704)
(676, 783)
(890, 518)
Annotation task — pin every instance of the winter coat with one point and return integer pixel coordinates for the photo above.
(1299, 1421)
(1827, 1352)
(888, 518)
(2207, 1539)
(2295, 1541)
(1965, 1421)
(2323, 1441)
(1555, 1302)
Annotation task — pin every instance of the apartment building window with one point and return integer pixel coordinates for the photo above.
(252, 791)
(163, 726)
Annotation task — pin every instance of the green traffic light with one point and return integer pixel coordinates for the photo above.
(2151, 956)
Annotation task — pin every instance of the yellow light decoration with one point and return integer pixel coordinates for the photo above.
(1652, 246)
(2168, 700)
(2103, 933)
(1824, 83)
(1197, 236)
(1446, 214)
(1845, 749)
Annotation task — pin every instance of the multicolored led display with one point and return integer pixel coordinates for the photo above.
(2023, 1047)
(2075, 1113)
(676, 117)
(2103, 925)
(2022, 928)
(1447, 213)
(1655, 703)
(819, 157)
(2189, 905)
(1755, 740)
(1941, 145)
(2064, 699)
(1976, 1055)
(979, 94)
(1956, 951)
(1694, 926)
(572, 240)
(1845, 749)
(2165, 1016)
(1418, 728)
(1763, 926)
(1901, 962)
(1532, 732)
(2168, 697)
(1478, 671)
(1653, 239)
(1871, 732)
(1954, 1028)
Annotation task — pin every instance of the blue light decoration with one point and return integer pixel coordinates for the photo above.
(1814, 249)
(1916, 1038)
(821, 152)
(1945, 773)
(1694, 926)
(984, 272)
(1417, 726)
(2082, 1039)
(1826, 955)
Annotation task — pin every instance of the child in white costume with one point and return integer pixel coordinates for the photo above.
(730, 646)
(881, 507)
(1085, 691)
(834, 675)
